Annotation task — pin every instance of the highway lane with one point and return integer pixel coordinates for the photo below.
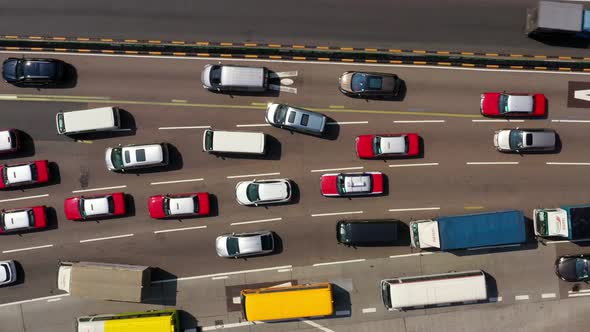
(452, 185)
(456, 25)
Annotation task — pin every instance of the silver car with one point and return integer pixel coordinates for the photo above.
(7, 273)
(263, 191)
(245, 244)
(296, 119)
(525, 140)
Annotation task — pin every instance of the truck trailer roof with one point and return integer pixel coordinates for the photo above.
(560, 16)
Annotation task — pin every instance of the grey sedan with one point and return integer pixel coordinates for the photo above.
(296, 119)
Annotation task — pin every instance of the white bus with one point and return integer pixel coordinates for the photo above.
(447, 288)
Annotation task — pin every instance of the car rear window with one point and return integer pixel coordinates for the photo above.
(529, 139)
(266, 242)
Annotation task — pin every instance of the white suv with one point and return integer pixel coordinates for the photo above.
(122, 158)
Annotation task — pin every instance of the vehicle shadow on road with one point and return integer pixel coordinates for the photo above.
(163, 292)
(188, 321)
(70, 79)
(54, 175)
(562, 40)
(332, 130)
(52, 220)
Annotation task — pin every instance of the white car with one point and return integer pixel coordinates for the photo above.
(7, 273)
(263, 191)
(244, 244)
(122, 158)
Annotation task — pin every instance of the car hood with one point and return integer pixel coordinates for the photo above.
(241, 189)
(107, 159)
(346, 81)
(221, 246)
(270, 113)
(502, 139)
(206, 75)
(9, 69)
(71, 208)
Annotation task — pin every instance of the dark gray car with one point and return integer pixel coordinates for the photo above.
(33, 72)
(573, 268)
(296, 119)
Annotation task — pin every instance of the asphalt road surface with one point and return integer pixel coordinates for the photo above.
(157, 93)
(453, 25)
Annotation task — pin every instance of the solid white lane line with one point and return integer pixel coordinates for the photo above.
(567, 164)
(578, 295)
(335, 213)
(419, 121)
(285, 270)
(496, 247)
(340, 262)
(414, 254)
(106, 238)
(222, 274)
(346, 122)
(548, 295)
(176, 181)
(48, 298)
(369, 310)
(521, 297)
(336, 169)
(185, 127)
(497, 120)
(254, 221)
(54, 300)
(26, 249)
(179, 100)
(316, 325)
(21, 198)
(415, 209)
(220, 278)
(580, 291)
(97, 189)
(414, 165)
(253, 125)
(179, 229)
(492, 163)
(251, 175)
(572, 121)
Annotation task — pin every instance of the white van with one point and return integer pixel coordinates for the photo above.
(234, 78)
(218, 141)
(85, 121)
(436, 289)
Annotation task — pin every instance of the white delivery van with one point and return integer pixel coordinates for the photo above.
(436, 289)
(218, 141)
(85, 121)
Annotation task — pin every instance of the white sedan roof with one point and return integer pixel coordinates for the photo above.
(396, 144)
(357, 183)
(5, 140)
(142, 154)
(16, 220)
(520, 104)
(272, 191)
(96, 206)
(21, 173)
(182, 205)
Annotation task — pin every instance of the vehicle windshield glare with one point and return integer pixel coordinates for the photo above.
(116, 158)
(541, 223)
(233, 247)
(503, 103)
(377, 145)
(252, 192)
(516, 139)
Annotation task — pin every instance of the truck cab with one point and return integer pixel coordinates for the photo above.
(550, 222)
(424, 234)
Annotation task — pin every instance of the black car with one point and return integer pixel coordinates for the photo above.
(369, 85)
(379, 232)
(573, 268)
(33, 72)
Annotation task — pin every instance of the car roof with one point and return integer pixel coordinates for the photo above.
(393, 144)
(272, 190)
(541, 138)
(142, 154)
(96, 206)
(16, 219)
(304, 119)
(19, 173)
(357, 182)
(181, 205)
(250, 244)
(520, 103)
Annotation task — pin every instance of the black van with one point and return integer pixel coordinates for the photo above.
(378, 232)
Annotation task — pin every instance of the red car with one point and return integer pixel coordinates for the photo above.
(96, 206)
(31, 172)
(503, 104)
(9, 140)
(179, 205)
(352, 184)
(23, 219)
(387, 145)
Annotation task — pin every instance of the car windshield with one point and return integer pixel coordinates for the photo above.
(281, 113)
(215, 75)
(20, 70)
(252, 192)
(81, 207)
(377, 145)
(31, 216)
(34, 173)
(340, 185)
(358, 82)
(516, 139)
(581, 268)
(116, 158)
(166, 206)
(542, 223)
(111, 204)
(196, 204)
(503, 103)
(233, 248)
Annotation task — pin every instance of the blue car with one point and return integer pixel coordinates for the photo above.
(33, 72)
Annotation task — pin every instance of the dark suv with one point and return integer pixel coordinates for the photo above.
(33, 72)
(379, 232)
